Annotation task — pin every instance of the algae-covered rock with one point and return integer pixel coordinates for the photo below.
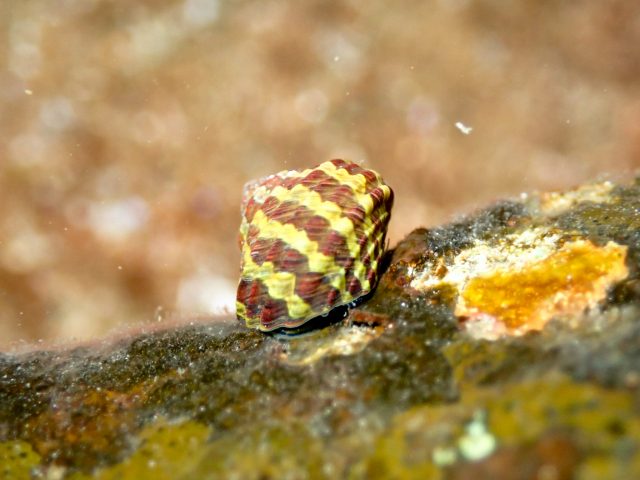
(505, 345)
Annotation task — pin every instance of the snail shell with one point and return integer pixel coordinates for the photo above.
(311, 240)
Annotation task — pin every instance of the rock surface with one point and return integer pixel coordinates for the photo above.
(504, 345)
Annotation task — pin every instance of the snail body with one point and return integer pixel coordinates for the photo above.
(311, 241)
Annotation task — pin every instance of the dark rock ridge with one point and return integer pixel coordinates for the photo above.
(505, 345)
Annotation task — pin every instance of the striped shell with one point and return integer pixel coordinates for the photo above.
(311, 240)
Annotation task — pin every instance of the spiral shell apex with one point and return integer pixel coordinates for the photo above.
(311, 240)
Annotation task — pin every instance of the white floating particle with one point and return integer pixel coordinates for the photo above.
(422, 116)
(28, 91)
(312, 105)
(57, 113)
(201, 12)
(206, 292)
(463, 128)
(117, 219)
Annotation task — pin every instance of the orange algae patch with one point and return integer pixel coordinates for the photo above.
(570, 280)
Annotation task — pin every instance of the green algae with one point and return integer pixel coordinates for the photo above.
(604, 426)
(17, 460)
(268, 451)
(166, 452)
(487, 362)
(189, 450)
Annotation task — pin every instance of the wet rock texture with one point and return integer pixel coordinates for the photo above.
(504, 345)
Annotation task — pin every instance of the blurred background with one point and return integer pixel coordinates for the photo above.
(127, 130)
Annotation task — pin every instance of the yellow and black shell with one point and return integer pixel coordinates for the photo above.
(311, 240)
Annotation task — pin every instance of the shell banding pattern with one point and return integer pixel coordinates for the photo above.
(311, 240)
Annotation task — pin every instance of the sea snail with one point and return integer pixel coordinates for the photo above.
(311, 241)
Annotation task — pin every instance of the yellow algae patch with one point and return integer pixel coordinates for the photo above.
(573, 278)
(556, 203)
(518, 283)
